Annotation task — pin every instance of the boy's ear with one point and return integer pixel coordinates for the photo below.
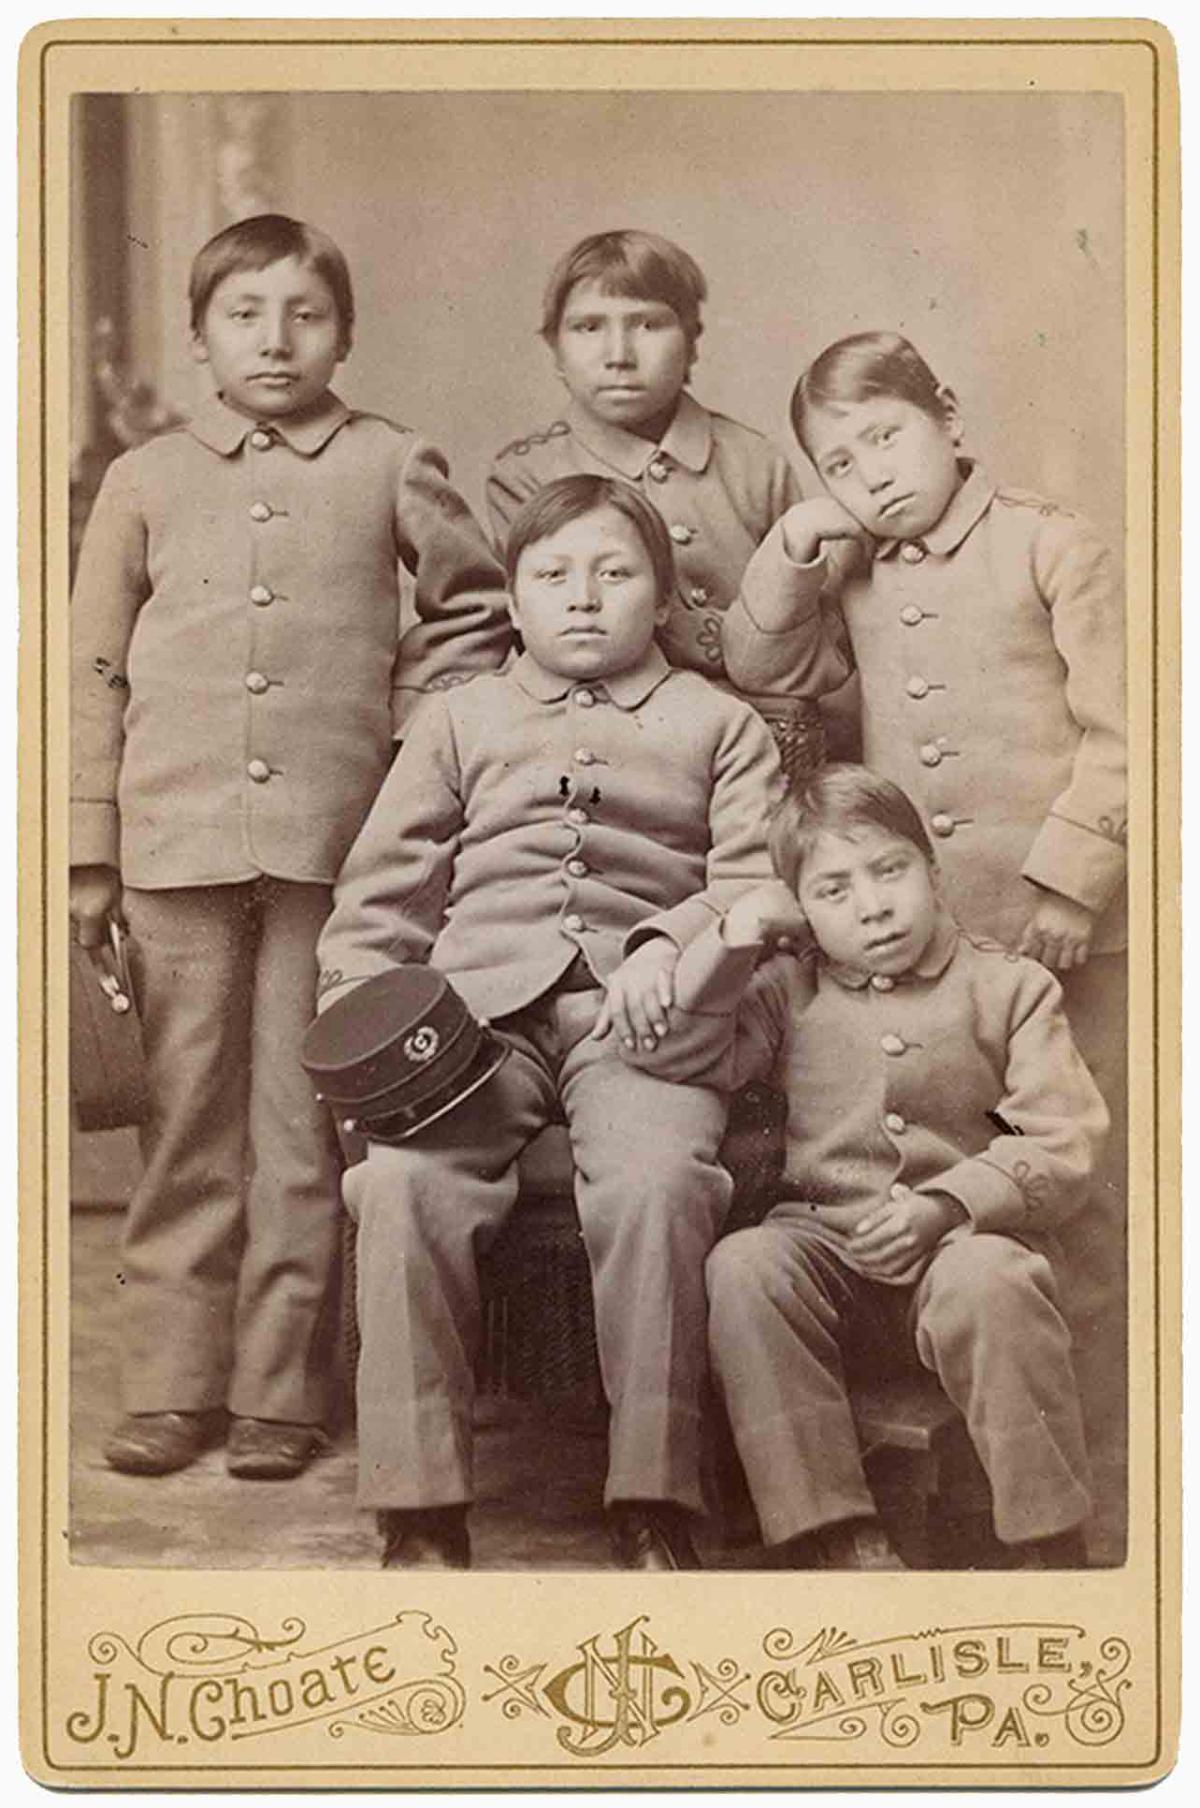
(950, 413)
(199, 347)
(514, 613)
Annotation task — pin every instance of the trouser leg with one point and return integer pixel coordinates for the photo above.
(652, 1197)
(292, 1203)
(1095, 1289)
(193, 952)
(989, 1326)
(422, 1208)
(780, 1306)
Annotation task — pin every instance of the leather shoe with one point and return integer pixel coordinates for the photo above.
(425, 1538)
(651, 1536)
(159, 1442)
(268, 1450)
(1065, 1550)
(850, 1544)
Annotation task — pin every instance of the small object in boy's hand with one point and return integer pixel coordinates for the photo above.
(1002, 1124)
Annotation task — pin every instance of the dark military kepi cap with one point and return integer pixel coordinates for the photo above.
(399, 1051)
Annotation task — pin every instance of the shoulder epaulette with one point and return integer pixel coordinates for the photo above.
(1027, 500)
(986, 944)
(519, 447)
(385, 420)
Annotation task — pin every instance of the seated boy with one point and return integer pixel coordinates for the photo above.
(941, 1127)
(536, 825)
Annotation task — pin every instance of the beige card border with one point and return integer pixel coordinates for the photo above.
(499, 1621)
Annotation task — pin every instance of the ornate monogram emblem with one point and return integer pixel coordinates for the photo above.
(423, 1044)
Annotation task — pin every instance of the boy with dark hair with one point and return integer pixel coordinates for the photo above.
(941, 1130)
(588, 804)
(239, 676)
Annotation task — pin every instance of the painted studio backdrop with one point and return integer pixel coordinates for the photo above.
(986, 227)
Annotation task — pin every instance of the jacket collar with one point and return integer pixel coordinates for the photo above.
(968, 504)
(939, 952)
(223, 429)
(688, 440)
(627, 689)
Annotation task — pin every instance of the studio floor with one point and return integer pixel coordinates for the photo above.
(539, 1478)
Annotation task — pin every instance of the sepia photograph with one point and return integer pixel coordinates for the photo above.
(599, 610)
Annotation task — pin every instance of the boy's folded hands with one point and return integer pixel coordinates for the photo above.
(897, 1232)
(640, 995)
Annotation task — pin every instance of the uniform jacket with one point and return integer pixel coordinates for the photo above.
(992, 663)
(719, 486)
(960, 1077)
(238, 664)
(529, 818)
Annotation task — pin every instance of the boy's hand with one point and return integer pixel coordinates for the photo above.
(769, 913)
(892, 1236)
(808, 524)
(1059, 933)
(640, 995)
(94, 897)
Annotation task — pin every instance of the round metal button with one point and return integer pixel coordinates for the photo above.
(260, 439)
(658, 471)
(895, 1123)
(682, 536)
(573, 923)
(882, 982)
(897, 1189)
(257, 682)
(585, 699)
(584, 756)
(577, 868)
(917, 687)
(891, 1044)
(931, 754)
(577, 815)
(911, 553)
(259, 771)
(910, 615)
(260, 511)
(941, 824)
(261, 595)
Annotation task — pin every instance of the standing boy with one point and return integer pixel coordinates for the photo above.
(538, 825)
(622, 318)
(239, 675)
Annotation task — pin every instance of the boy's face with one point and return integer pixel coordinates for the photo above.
(870, 898)
(889, 463)
(585, 599)
(624, 360)
(273, 338)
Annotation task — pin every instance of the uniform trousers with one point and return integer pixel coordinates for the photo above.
(1095, 1290)
(786, 1317)
(231, 1237)
(651, 1196)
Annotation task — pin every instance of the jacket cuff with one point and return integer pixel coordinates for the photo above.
(681, 924)
(712, 977)
(990, 1197)
(1084, 864)
(95, 834)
